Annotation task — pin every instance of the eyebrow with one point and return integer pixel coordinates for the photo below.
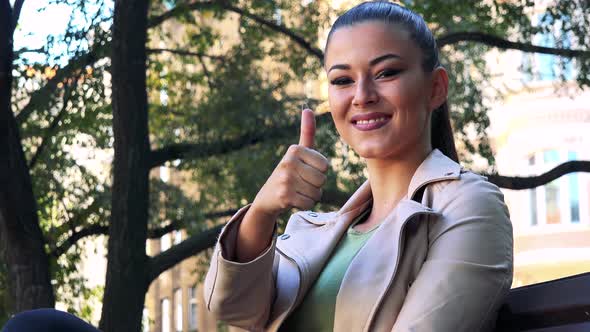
(371, 63)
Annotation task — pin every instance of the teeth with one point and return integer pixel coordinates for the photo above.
(371, 121)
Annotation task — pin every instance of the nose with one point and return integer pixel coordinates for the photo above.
(365, 93)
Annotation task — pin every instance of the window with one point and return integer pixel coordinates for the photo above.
(192, 305)
(278, 16)
(165, 242)
(548, 67)
(178, 309)
(164, 173)
(574, 191)
(546, 62)
(553, 212)
(177, 237)
(533, 205)
(557, 202)
(145, 321)
(163, 97)
(165, 304)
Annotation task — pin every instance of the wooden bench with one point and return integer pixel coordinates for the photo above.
(561, 305)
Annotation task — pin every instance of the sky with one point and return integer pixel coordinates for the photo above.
(36, 24)
(40, 19)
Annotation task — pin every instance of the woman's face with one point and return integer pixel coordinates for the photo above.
(380, 97)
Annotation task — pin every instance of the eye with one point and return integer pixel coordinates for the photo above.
(388, 73)
(341, 81)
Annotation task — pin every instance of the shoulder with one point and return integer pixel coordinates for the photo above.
(470, 201)
(468, 188)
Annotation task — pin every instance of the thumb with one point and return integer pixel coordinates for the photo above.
(306, 137)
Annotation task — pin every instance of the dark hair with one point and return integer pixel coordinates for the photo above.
(440, 128)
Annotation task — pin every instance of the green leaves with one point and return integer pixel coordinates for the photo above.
(229, 70)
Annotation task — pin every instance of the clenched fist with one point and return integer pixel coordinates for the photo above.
(298, 178)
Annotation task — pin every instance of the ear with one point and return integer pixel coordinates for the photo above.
(440, 88)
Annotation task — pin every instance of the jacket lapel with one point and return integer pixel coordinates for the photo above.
(310, 247)
(377, 262)
(436, 167)
(374, 265)
(373, 269)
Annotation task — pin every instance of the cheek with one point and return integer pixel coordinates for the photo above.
(339, 105)
(338, 100)
(408, 95)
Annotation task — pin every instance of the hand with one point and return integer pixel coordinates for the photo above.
(298, 178)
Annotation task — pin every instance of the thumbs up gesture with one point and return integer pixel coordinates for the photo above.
(298, 178)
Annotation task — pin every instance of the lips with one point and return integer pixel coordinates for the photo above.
(370, 121)
(369, 116)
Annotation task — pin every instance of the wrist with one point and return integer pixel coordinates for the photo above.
(260, 213)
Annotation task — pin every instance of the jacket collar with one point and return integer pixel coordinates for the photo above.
(310, 255)
(436, 167)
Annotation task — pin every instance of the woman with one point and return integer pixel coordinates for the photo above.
(423, 245)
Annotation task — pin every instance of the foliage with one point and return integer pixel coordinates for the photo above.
(234, 78)
(63, 132)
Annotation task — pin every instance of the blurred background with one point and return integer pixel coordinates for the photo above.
(100, 153)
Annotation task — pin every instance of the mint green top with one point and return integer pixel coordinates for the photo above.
(316, 311)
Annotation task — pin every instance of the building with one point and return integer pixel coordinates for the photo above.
(174, 301)
(534, 128)
(537, 130)
(542, 122)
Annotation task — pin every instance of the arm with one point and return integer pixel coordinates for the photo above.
(240, 293)
(468, 269)
(240, 283)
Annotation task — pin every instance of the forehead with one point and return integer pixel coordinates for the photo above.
(365, 41)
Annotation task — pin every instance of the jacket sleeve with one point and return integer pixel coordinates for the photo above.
(240, 294)
(468, 269)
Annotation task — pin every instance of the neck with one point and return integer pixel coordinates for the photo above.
(390, 179)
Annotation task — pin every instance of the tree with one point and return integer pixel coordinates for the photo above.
(127, 262)
(217, 110)
(21, 240)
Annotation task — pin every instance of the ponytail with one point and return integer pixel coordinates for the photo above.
(441, 133)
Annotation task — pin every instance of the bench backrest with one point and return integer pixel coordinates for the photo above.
(555, 306)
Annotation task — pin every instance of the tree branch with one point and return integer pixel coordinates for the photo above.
(187, 248)
(79, 219)
(336, 198)
(87, 231)
(178, 224)
(38, 97)
(17, 53)
(279, 28)
(206, 73)
(50, 130)
(178, 10)
(519, 183)
(227, 6)
(504, 44)
(18, 5)
(208, 238)
(207, 149)
(98, 229)
(185, 53)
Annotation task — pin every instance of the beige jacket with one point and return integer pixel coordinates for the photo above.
(444, 264)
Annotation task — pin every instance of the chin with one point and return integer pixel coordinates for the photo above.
(372, 152)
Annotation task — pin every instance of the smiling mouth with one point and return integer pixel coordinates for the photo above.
(371, 124)
(364, 122)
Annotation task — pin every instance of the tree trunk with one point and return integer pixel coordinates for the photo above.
(126, 279)
(21, 240)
